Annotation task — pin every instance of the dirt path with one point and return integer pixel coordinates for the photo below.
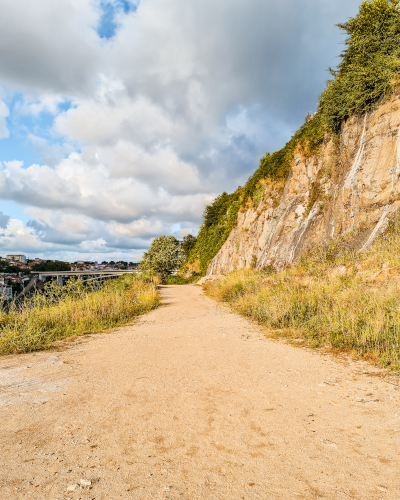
(192, 402)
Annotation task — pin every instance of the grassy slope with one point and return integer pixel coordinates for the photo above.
(328, 299)
(75, 310)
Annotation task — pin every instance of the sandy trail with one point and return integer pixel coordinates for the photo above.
(192, 402)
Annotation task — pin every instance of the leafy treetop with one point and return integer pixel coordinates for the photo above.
(163, 257)
(49, 265)
(369, 65)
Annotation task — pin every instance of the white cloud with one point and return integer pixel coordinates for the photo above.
(107, 121)
(91, 191)
(50, 46)
(35, 105)
(140, 228)
(4, 113)
(179, 105)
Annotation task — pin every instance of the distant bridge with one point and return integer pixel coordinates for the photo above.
(101, 274)
(60, 275)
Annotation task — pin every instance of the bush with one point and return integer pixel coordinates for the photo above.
(219, 219)
(163, 257)
(180, 280)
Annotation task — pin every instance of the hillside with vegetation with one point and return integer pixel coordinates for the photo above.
(368, 73)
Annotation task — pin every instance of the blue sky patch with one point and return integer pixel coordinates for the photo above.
(108, 26)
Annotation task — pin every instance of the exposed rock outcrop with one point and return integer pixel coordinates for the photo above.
(353, 185)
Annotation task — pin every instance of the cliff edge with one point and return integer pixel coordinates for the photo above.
(352, 186)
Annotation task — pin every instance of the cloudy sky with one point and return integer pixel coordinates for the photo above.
(121, 119)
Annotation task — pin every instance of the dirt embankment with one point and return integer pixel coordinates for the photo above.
(193, 402)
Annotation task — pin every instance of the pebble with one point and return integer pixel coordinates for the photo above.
(86, 482)
(73, 487)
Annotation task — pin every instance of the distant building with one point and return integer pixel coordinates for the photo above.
(17, 258)
(5, 292)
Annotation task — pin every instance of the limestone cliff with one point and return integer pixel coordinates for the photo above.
(351, 187)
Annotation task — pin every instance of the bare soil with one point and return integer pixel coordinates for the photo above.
(193, 402)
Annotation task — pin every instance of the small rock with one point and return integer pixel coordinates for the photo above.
(86, 482)
(329, 443)
(73, 487)
(381, 488)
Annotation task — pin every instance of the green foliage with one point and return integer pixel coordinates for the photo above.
(16, 288)
(49, 265)
(258, 195)
(277, 166)
(6, 268)
(180, 280)
(187, 245)
(369, 64)
(213, 213)
(163, 257)
(219, 219)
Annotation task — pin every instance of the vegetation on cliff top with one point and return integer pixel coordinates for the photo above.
(369, 65)
(368, 70)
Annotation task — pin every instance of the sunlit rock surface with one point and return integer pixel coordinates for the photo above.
(352, 186)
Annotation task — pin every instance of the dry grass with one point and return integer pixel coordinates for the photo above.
(329, 298)
(75, 310)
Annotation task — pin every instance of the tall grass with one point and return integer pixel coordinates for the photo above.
(329, 299)
(74, 310)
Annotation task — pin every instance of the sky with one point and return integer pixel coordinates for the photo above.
(121, 119)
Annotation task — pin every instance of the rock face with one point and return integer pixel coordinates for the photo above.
(352, 186)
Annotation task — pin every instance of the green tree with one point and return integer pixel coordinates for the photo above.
(6, 268)
(50, 265)
(164, 256)
(16, 288)
(187, 245)
(369, 65)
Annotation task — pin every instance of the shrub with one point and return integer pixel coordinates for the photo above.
(163, 257)
(180, 280)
